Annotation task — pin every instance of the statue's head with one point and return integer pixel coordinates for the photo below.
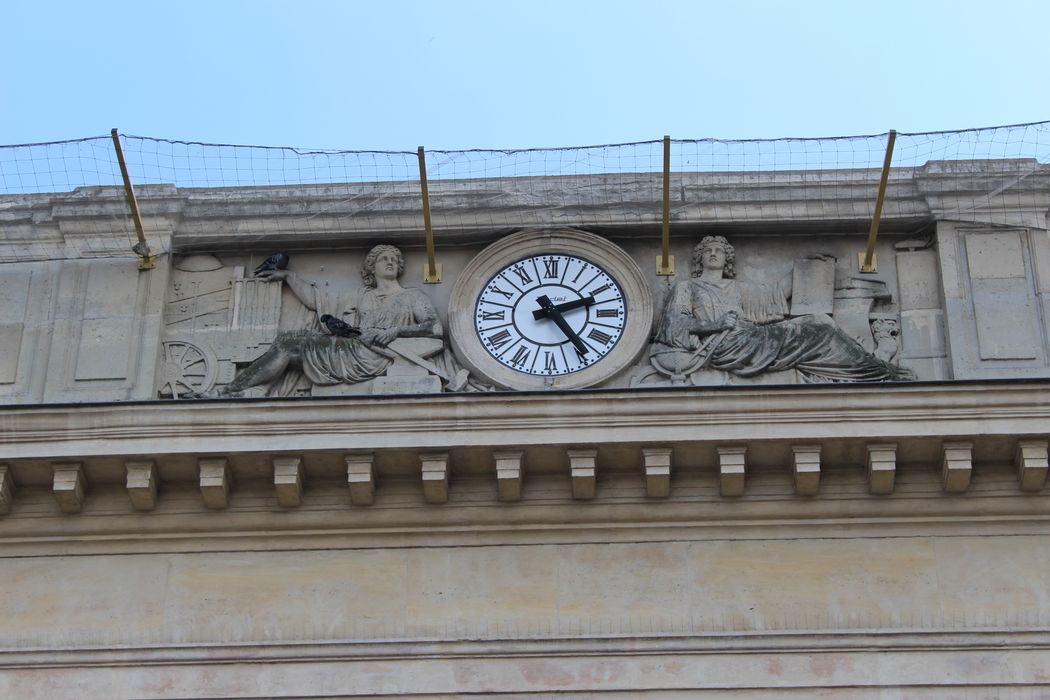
(728, 270)
(368, 270)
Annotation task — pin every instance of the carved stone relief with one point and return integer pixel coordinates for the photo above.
(227, 336)
(216, 318)
(886, 332)
(715, 322)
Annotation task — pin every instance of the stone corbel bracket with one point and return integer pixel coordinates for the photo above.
(583, 467)
(142, 484)
(657, 462)
(69, 486)
(806, 469)
(7, 489)
(732, 467)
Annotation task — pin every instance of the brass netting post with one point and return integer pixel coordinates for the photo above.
(146, 260)
(665, 261)
(867, 261)
(431, 269)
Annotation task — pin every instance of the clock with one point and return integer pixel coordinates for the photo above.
(554, 308)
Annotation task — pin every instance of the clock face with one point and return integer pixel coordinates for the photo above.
(550, 308)
(550, 315)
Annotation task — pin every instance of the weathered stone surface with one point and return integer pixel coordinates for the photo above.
(509, 472)
(141, 483)
(68, 486)
(435, 476)
(215, 482)
(657, 462)
(731, 469)
(921, 594)
(957, 466)
(806, 468)
(89, 329)
(1030, 458)
(7, 489)
(288, 480)
(583, 468)
(360, 475)
(882, 467)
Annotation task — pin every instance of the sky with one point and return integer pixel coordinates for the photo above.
(451, 74)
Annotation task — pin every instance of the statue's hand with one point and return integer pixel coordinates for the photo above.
(273, 275)
(727, 320)
(378, 336)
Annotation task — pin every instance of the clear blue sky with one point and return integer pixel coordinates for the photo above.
(395, 74)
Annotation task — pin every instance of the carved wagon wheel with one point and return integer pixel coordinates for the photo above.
(186, 368)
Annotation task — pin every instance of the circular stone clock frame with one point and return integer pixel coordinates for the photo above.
(607, 256)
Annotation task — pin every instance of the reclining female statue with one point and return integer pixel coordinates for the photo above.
(714, 321)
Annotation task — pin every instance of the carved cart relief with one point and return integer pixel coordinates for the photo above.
(215, 318)
(804, 327)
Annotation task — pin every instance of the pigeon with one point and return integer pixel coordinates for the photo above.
(338, 327)
(277, 261)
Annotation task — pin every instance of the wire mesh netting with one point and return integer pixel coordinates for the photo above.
(250, 191)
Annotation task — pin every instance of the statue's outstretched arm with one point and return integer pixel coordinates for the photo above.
(305, 290)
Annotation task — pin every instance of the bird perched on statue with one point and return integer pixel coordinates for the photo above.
(277, 261)
(339, 327)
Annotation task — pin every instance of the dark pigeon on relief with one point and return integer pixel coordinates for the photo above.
(277, 261)
(339, 327)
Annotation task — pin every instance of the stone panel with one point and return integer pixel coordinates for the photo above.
(105, 348)
(995, 255)
(1007, 327)
(919, 280)
(106, 330)
(14, 298)
(922, 333)
(535, 590)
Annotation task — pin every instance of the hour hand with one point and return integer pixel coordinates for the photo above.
(544, 311)
(554, 314)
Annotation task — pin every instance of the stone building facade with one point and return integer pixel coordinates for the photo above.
(206, 491)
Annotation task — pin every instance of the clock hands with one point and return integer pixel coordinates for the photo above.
(554, 313)
(543, 311)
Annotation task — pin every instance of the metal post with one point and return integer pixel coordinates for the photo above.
(867, 260)
(665, 261)
(432, 269)
(146, 260)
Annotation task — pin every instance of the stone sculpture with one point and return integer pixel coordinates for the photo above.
(886, 332)
(718, 322)
(398, 326)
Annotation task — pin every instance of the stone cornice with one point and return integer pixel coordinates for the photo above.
(508, 420)
(33, 227)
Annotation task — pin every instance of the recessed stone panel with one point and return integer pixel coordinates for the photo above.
(112, 289)
(14, 297)
(104, 348)
(919, 280)
(995, 255)
(1007, 325)
(922, 333)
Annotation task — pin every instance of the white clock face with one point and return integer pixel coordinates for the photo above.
(550, 315)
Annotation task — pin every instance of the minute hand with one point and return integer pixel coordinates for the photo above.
(544, 311)
(555, 315)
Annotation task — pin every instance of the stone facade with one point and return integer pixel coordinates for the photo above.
(654, 532)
